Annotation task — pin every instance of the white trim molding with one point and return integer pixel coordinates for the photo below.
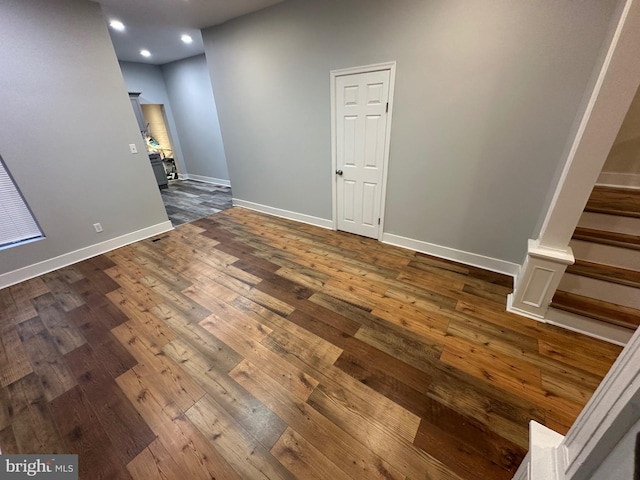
(46, 266)
(626, 180)
(201, 178)
(468, 258)
(391, 66)
(538, 280)
(278, 212)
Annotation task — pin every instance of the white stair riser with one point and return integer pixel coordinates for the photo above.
(610, 223)
(606, 254)
(601, 290)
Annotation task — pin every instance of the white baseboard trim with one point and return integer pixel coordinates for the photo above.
(628, 180)
(522, 313)
(468, 258)
(203, 179)
(472, 259)
(298, 217)
(46, 266)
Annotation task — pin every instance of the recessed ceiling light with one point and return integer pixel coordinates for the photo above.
(186, 38)
(116, 25)
(145, 53)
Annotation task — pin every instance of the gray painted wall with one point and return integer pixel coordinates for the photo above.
(625, 153)
(619, 463)
(194, 109)
(486, 94)
(73, 166)
(582, 109)
(148, 79)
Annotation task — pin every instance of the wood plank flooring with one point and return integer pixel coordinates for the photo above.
(189, 200)
(247, 346)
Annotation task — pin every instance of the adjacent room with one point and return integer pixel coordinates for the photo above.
(341, 239)
(176, 115)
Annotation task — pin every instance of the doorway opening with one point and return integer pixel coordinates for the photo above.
(157, 137)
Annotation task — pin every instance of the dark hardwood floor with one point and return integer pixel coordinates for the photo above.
(188, 200)
(247, 346)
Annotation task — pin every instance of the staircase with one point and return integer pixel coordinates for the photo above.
(604, 282)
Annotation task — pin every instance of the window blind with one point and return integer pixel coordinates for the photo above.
(16, 221)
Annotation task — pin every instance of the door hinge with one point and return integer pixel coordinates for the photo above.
(378, 221)
(387, 107)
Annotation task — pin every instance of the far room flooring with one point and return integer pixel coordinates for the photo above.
(188, 200)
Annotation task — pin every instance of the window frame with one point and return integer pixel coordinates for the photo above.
(18, 196)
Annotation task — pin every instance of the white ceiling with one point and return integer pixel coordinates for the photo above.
(157, 25)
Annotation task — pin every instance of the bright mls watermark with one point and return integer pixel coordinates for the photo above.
(50, 467)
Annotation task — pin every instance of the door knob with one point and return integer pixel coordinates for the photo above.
(339, 172)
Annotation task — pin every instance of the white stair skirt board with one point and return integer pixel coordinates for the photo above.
(203, 179)
(468, 258)
(66, 259)
(606, 254)
(610, 223)
(624, 180)
(589, 326)
(278, 212)
(600, 290)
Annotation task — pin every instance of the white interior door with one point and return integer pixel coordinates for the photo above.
(361, 121)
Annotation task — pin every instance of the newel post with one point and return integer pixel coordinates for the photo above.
(613, 90)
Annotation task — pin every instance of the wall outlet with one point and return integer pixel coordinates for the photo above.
(98, 227)
(133, 148)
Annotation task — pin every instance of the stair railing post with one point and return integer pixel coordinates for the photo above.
(615, 405)
(613, 90)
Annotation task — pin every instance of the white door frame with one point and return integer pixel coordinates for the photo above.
(391, 66)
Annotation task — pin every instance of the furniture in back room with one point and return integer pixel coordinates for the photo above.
(158, 170)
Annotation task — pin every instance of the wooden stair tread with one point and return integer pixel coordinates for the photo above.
(608, 238)
(597, 309)
(614, 201)
(608, 273)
